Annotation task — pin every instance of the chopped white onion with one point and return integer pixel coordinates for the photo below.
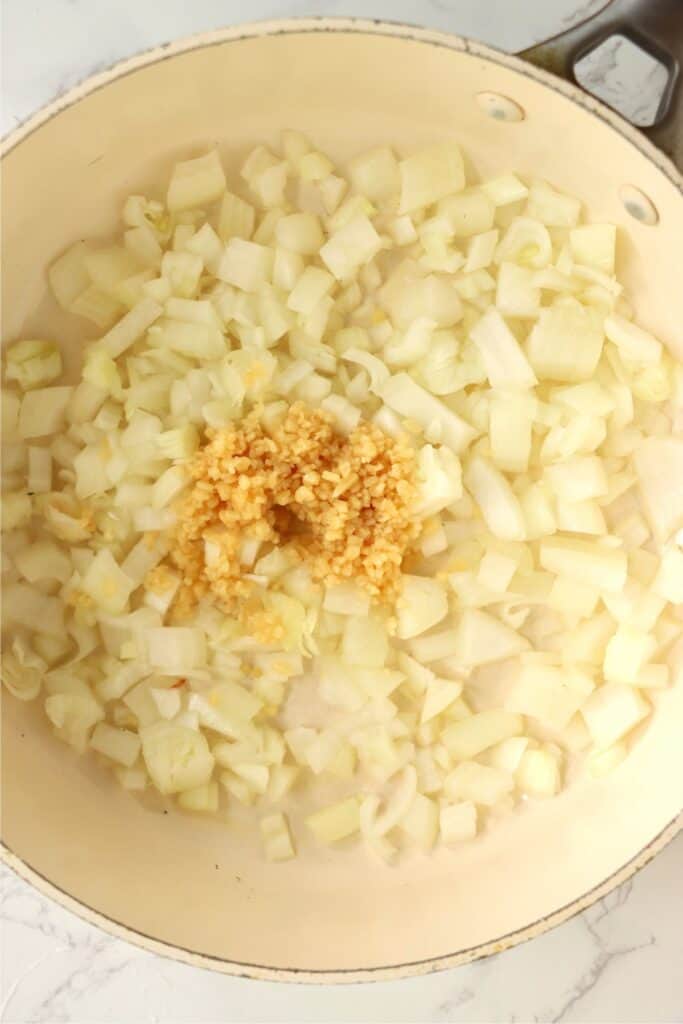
(538, 613)
(505, 363)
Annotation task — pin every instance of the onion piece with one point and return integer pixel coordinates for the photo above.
(594, 245)
(626, 653)
(511, 417)
(277, 841)
(375, 174)
(516, 291)
(17, 509)
(458, 822)
(612, 711)
(43, 410)
(74, 715)
(196, 182)
(376, 369)
(505, 363)
(22, 671)
(313, 285)
(505, 189)
(350, 247)
(566, 342)
(107, 584)
(468, 213)
(481, 639)
(405, 396)
(439, 480)
(478, 784)
(526, 242)
(236, 218)
(406, 348)
(538, 774)
(659, 465)
(175, 649)
(129, 328)
(177, 758)
(43, 560)
(430, 175)
(635, 344)
(496, 499)
(421, 821)
(336, 822)
(585, 561)
(68, 275)
(422, 604)
(33, 363)
(551, 207)
(119, 745)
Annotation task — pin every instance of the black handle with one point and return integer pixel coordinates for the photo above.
(655, 26)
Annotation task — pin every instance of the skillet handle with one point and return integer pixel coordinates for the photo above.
(655, 26)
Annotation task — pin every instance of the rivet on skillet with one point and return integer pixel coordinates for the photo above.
(638, 205)
(501, 108)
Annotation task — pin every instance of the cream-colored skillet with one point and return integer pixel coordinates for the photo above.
(192, 889)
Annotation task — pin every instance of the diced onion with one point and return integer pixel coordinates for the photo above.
(634, 344)
(471, 782)
(177, 758)
(335, 822)
(196, 182)
(175, 649)
(430, 175)
(421, 821)
(42, 411)
(458, 822)
(594, 245)
(566, 342)
(585, 562)
(350, 247)
(118, 745)
(68, 275)
(612, 711)
(526, 242)
(496, 499)
(551, 207)
(538, 773)
(33, 363)
(277, 841)
(402, 394)
(482, 639)
(534, 621)
(505, 363)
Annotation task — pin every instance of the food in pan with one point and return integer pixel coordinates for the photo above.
(365, 509)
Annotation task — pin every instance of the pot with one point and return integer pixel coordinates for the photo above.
(190, 888)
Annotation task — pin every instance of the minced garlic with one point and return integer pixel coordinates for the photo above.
(342, 502)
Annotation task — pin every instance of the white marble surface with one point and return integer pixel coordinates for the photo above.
(627, 78)
(620, 961)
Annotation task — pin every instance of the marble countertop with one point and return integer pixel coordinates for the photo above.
(618, 962)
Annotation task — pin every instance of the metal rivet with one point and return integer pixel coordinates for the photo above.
(638, 206)
(501, 108)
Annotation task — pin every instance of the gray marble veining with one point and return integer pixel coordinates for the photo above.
(625, 77)
(618, 962)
